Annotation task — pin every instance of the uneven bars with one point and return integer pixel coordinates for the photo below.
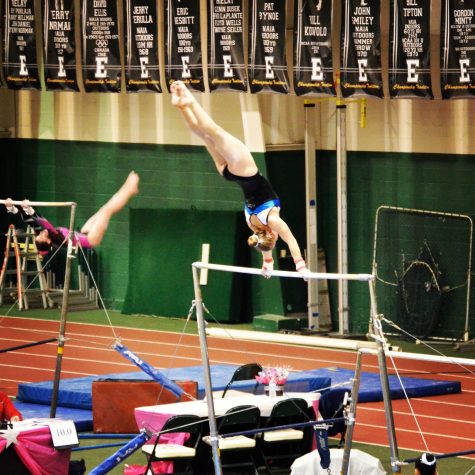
(283, 273)
(422, 357)
(42, 203)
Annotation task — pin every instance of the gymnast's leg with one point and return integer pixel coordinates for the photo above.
(97, 224)
(225, 149)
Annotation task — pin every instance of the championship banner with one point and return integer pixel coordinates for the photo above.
(457, 43)
(100, 53)
(59, 45)
(409, 49)
(313, 66)
(360, 68)
(226, 68)
(142, 71)
(183, 43)
(267, 63)
(20, 66)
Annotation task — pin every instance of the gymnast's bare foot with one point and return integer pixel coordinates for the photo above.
(181, 96)
(131, 185)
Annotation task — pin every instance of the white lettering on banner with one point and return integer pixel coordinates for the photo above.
(143, 67)
(23, 68)
(412, 76)
(362, 64)
(317, 73)
(228, 70)
(185, 73)
(464, 65)
(269, 61)
(61, 71)
(101, 71)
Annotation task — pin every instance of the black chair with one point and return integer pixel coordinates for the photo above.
(279, 448)
(182, 456)
(238, 452)
(243, 373)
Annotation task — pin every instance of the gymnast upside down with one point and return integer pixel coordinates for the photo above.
(91, 233)
(235, 163)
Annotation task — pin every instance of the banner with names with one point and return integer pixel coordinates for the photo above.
(59, 45)
(101, 64)
(360, 64)
(20, 67)
(267, 66)
(409, 49)
(457, 49)
(313, 65)
(183, 58)
(142, 71)
(226, 67)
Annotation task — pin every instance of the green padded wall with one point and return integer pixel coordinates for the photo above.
(164, 243)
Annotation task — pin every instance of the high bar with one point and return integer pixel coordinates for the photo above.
(421, 357)
(42, 203)
(282, 273)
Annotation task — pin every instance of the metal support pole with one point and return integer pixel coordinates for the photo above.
(213, 432)
(351, 416)
(64, 315)
(383, 375)
(311, 213)
(342, 218)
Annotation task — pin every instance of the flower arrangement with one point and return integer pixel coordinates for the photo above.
(273, 375)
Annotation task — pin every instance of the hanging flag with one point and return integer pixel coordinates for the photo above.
(457, 49)
(360, 69)
(101, 64)
(267, 62)
(226, 68)
(313, 66)
(183, 59)
(409, 49)
(59, 46)
(142, 71)
(20, 66)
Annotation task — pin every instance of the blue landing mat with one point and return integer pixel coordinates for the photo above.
(370, 385)
(77, 392)
(82, 418)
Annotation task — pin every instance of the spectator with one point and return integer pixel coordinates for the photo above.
(8, 411)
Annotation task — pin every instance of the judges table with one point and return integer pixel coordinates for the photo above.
(153, 417)
(27, 447)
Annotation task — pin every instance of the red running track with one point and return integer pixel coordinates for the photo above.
(446, 423)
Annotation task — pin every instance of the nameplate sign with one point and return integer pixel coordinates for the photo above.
(64, 434)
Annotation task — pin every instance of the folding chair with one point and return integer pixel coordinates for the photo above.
(238, 452)
(182, 456)
(243, 373)
(279, 448)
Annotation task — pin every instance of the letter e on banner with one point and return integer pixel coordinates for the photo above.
(101, 71)
(412, 76)
(464, 65)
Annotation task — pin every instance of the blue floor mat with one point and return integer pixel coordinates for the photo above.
(370, 385)
(82, 418)
(77, 392)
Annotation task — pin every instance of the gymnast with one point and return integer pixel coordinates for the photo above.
(91, 233)
(235, 163)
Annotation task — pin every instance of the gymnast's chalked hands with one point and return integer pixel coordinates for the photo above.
(301, 268)
(267, 267)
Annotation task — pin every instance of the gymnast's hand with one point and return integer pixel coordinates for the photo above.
(11, 208)
(25, 204)
(301, 268)
(267, 267)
